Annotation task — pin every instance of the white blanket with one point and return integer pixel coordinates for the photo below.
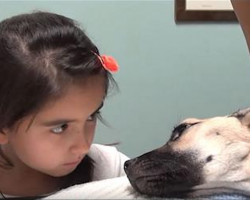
(120, 188)
(115, 188)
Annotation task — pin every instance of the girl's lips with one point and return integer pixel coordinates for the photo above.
(72, 163)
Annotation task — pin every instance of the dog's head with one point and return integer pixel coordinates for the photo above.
(199, 152)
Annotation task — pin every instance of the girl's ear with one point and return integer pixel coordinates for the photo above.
(3, 136)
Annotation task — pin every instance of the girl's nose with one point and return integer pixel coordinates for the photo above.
(81, 144)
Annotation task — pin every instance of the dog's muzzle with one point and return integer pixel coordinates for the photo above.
(164, 173)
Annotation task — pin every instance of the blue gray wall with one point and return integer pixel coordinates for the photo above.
(167, 71)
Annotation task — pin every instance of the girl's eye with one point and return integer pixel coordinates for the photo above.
(93, 116)
(60, 128)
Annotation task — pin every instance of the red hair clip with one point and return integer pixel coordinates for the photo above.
(108, 62)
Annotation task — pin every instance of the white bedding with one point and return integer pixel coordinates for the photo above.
(120, 188)
(115, 188)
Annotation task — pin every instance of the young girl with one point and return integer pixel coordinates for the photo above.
(53, 83)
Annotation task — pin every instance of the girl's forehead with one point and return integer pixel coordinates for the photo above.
(88, 91)
(77, 98)
(78, 101)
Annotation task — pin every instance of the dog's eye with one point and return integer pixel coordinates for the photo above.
(178, 130)
(175, 136)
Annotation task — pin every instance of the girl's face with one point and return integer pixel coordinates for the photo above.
(60, 135)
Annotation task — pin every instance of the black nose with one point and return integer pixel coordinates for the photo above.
(126, 164)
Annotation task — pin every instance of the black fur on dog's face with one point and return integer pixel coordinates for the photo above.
(201, 154)
(164, 172)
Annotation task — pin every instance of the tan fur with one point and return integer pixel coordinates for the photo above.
(202, 157)
(227, 139)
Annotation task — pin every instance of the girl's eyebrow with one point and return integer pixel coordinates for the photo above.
(65, 121)
(57, 122)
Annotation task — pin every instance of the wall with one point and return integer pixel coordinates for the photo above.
(167, 71)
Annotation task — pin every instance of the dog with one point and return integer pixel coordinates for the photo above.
(202, 157)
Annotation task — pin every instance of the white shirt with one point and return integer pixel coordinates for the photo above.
(109, 163)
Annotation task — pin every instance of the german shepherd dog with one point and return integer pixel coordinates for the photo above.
(202, 157)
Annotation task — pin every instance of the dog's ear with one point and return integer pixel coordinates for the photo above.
(243, 115)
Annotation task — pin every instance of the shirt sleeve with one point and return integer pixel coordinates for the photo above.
(108, 162)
